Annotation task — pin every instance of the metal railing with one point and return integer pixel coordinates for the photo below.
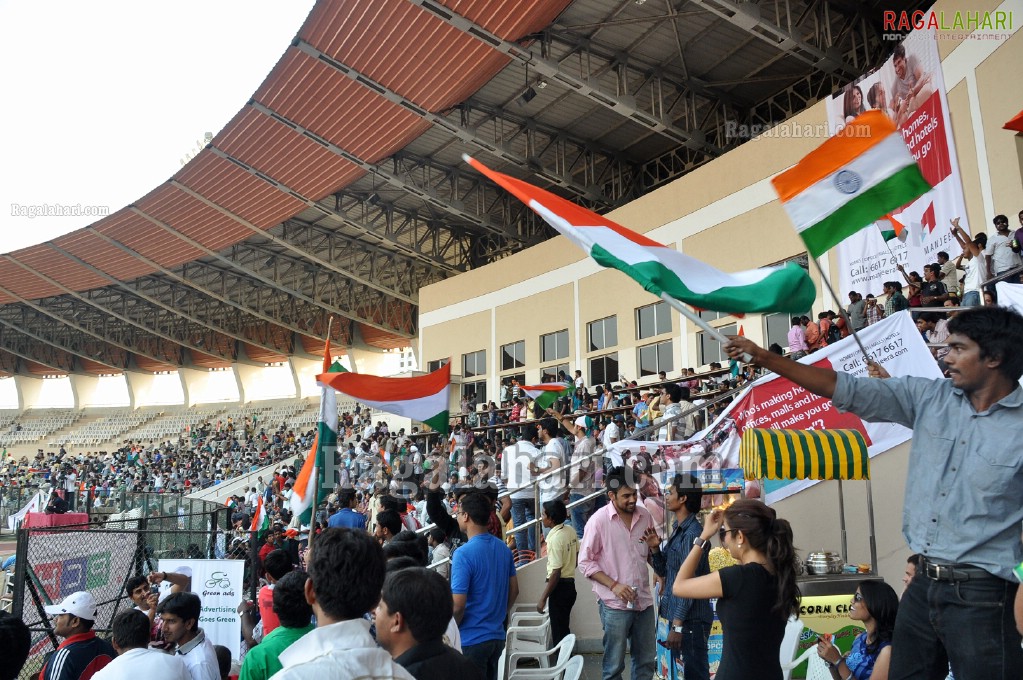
(536, 524)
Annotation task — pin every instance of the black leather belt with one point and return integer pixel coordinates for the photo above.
(943, 571)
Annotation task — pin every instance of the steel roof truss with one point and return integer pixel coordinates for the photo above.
(424, 194)
(466, 135)
(622, 105)
(248, 274)
(184, 281)
(172, 308)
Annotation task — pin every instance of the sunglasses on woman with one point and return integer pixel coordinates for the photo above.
(721, 533)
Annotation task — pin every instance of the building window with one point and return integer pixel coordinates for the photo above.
(554, 346)
(520, 378)
(603, 333)
(555, 373)
(712, 316)
(604, 369)
(776, 328)
(513, 355)
(474, 363)
(655, 358)
(475, 391)
(435, 365)
(653, 320)
(709, 349)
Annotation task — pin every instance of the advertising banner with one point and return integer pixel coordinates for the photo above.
(67, 562)
(909, 87)
(219, 584)
(777, 403)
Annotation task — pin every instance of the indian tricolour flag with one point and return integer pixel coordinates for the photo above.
(862, 173)
(260, 520)
(891, 228)
(423, 398)
(660, 269)
(311, 480)
(545, 394)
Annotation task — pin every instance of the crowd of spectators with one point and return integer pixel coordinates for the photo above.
(206, 454)
(362, 602)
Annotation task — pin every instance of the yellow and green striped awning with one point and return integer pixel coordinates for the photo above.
(804, 454)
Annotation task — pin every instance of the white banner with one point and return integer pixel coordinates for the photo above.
(911, 90)
(778, 403)
(1010, 295)
(37, 503)
(220, 585)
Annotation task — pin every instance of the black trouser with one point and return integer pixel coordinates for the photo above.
(560, 604)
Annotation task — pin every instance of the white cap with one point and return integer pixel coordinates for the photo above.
(413, 449)
(80, 604)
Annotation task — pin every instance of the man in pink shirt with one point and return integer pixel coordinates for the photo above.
(613, 555)
(797, 340)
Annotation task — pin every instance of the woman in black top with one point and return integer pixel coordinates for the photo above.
(755, 597)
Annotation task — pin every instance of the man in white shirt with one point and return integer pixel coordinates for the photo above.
(671, 395)
(612, 432)
(580, 384)
(516, 460)
(582, 475)
(552, 458)
(999, 247)
(180, 614)
(135, 661)
(346, 574)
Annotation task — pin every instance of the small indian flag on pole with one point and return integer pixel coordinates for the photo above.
(849, 181)
(545, 394)
(260, 521)
(891, 228)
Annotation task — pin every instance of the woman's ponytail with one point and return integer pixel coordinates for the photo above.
(782, 555)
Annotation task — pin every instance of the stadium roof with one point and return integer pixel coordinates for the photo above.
(338, 190)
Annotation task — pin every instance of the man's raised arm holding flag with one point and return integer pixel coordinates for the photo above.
(964, 491)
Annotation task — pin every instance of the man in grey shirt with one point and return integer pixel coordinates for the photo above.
(857, 311)
(964, 492)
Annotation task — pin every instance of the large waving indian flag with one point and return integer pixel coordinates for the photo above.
(423, 398)
(658, 268)
(860, 174)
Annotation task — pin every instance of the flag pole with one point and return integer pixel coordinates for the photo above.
(841, 309)
(316, 482)
(695, 318)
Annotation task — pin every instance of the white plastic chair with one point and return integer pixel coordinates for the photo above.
(529, 640)
(562, 653)
(816, 668)
(788, 666)
(572, 669)
(789, 645)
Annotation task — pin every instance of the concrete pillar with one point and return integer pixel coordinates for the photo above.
(83, 389)
(28, 391)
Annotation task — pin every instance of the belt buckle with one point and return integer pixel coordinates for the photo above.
(938, 572)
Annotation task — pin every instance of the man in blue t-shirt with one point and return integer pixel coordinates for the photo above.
(347, 516)
(483, 585)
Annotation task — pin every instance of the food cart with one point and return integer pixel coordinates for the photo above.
(824, 455)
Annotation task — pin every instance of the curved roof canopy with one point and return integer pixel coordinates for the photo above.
(337, 189)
